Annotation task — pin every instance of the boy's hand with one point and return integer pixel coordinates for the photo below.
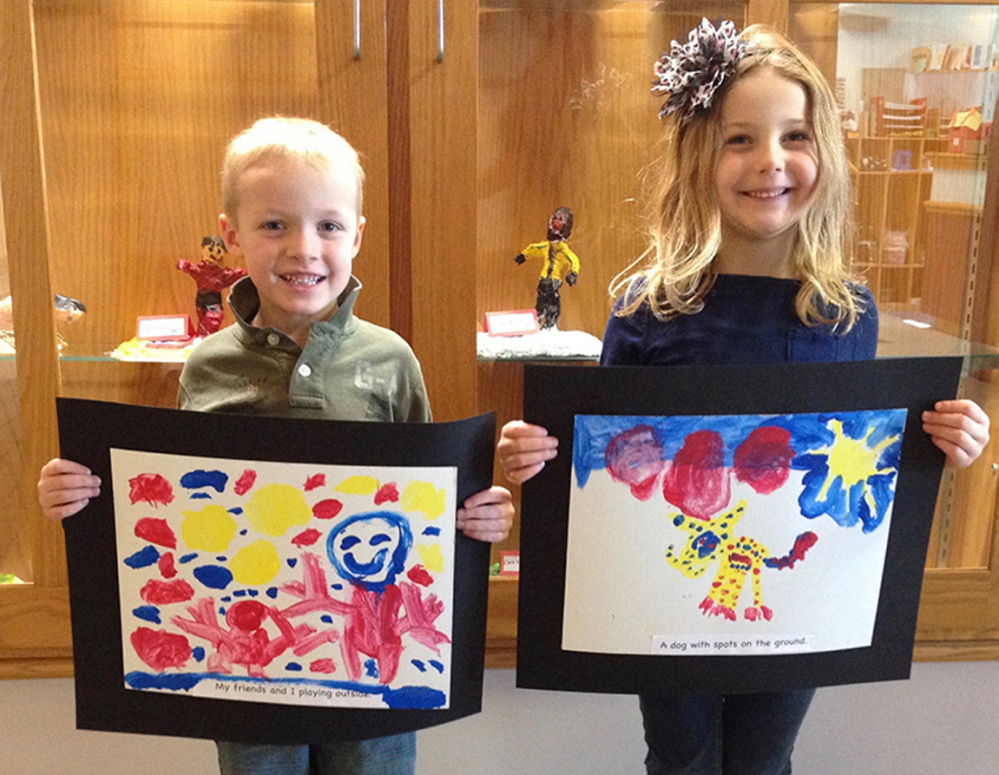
(523, 450)
(960, 428)
(487, 515)
(66, 487)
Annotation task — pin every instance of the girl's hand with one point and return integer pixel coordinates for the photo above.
(66, 487)
(487, 515)
(960, 428)
(523, 450)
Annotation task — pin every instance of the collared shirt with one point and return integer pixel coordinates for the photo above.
(349, 369)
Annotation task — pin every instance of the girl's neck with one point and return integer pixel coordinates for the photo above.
(769, 258)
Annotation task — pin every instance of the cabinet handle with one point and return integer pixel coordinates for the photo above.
(357, 29)
(440, 30)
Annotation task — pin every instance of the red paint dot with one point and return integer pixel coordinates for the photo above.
(327, 509)
(306, 537)
(419, 575)
(319, 480)
(245, 482)
(156, 531)
(322, 666)
(160, 649)
(167, 568)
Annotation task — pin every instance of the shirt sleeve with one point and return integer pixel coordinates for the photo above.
(866, 327)
(624, 337)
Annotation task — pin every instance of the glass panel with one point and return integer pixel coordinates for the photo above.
(917, 87)
(15, 555)
(138, 100)
(566, 118)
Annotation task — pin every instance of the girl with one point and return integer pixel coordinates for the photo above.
(745, 265)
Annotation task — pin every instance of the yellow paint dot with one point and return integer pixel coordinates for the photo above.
(423, 496)
(257, 563)
(433, 558)
(210, 529)
(275, 508)
(358, 485)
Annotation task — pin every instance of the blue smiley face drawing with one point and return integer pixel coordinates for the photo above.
(370, 549)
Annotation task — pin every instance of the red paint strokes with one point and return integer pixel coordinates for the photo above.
(306, 537)
(763, 460)
(635, 457)
(164, 592)
(802, 544)
(167, 567)
(245, 481)
(151, 488)
(420, 575)
(698, 481)
(322, 666)
(318, 480)
(246, 615)
(327, 509)
(160, 649)
(156, 531)
(387, 493)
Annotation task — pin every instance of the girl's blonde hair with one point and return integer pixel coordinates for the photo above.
(675, 274)
(282, 138)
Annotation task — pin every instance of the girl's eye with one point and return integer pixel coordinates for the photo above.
(737, 140)
(800, 136)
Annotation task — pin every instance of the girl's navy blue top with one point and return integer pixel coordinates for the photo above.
(745, 319)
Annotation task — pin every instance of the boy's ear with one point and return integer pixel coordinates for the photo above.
(360, 233)
(228, 228)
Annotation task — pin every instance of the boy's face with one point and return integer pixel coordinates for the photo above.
(298, 230)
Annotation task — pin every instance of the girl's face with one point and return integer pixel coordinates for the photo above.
(767, 165)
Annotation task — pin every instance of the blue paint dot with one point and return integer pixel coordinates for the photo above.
(254, 592)
(239, 593)
(243, 532)
(272, 592)
(438, 666)
(201, 478)
(678, 520)
(336, 586)
(213, 576)
(419, 665)
(198, 653)
(371, 668)
(326, 619)
(149, 613)
(143, 558)
(432, 531)
(292, 562)
(236, 510)
(222, 610)
(207, 495)
(188, 557)
(226, 599)
(221, 558)
(293, 666)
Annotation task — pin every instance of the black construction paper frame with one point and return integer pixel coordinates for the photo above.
(89, 429)
(553, 395)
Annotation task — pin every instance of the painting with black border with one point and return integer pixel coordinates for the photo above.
(274, 580)
(727, 529)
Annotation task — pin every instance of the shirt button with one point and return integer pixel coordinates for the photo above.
(305, 370)
(273, 340)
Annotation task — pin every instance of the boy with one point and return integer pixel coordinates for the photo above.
(292, 191)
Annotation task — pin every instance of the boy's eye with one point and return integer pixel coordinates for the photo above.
(272, 225)
(328, 226)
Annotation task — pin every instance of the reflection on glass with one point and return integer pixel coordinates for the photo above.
(14, 556)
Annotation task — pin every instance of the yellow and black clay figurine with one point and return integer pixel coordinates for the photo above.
(558, 263)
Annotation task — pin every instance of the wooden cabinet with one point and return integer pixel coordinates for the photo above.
(473, 126)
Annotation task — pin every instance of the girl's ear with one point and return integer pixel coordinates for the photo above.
(229, 233)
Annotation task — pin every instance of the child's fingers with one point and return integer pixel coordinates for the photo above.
(523, 450)
(65, 487)
(487, 515)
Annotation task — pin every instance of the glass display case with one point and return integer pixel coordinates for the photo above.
(475, 121)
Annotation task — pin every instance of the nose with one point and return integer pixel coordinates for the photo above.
(303, 244)
(771, 157)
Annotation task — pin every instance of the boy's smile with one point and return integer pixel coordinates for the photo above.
(298, 230)
(767, 166)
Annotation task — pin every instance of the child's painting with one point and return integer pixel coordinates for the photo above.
(736, 534)
(274, 580)
(727, 529)
(287, 583)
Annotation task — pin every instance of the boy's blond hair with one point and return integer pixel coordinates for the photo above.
(686, 220)
(279, 137)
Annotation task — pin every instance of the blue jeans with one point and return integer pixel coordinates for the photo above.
(393, 755)
(747, 734)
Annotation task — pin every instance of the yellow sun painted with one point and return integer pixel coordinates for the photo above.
(852, 459)
(433, 558)
(357, 485)
(275, 508)
(423, 496)
(210, 529)
(256, 563)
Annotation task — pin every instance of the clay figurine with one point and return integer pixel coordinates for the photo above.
(558, 262)
(212, 276)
